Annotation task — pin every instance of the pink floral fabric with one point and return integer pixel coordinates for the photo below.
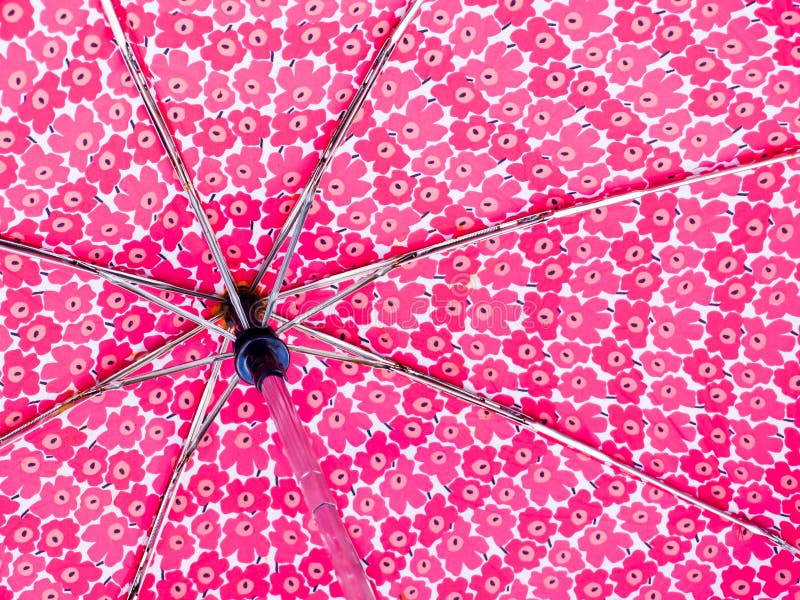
(662, 331)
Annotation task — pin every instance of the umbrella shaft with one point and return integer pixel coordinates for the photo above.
(318, 496)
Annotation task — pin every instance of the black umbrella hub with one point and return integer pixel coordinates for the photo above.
(258, 353)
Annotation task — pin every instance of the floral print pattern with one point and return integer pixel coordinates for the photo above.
(662, 331)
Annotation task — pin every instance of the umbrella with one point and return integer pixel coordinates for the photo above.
(535, 265)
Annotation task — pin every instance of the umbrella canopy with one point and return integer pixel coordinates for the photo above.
(579, 217)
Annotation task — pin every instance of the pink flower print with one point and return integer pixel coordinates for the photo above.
(700, 65)
(635, 26)
(779, 574)
(176, 587)
(553, 80)
(224, 50)
(764, 183)
(434, 60)
(438, 462)
(539, 41)
(137, 505)
(752, 223)
(628, 426)
(634, 572)
(245, 448)
(459, 95)
(740, 582)
(583, 321)
(579, 18)
(640, 519)
(582, 384)
(41, 102)
(735, 294)
(206, 572)
(699, 224)
(403, 487)
(592, 584)
(758, 443)
(244, 537)
(16, 374)
(575, 147)
(111, 539)
(783, 234)
(617, 120)
(629, 63)
(685, 521)
(758, 499)
(685, 290)
(57, 442)
(695, 579)
(602, 541)
(78, 138)
(73, 574)
(766, 343)
(760, 404)
(381, 150)
(208, 484)
(588, 90)
(435, 520)
(665, 550)
(21, 532)
(493, 578)
(182, 81)
(632, 322)
(675, 332)
(58, 536)
(58, 497)
(713, 101)
(551, 584)
(668, 432)
(497, 70)
(245, 170)
(106, 165)
(457, 548)
(580, 511)
(24, 471)
(42, 170)
(177, 545)
(770, 137)
(703, 139)
(741, 41)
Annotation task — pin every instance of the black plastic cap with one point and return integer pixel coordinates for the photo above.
(259, 353)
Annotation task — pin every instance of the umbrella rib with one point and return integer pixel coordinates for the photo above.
(296, 219)
(115, 279)
(188, 315)
(168, 497)
(521, 419)
(335, 356)
(529, 221)
(100, 271)
(335, 298)
(200, 362)
(147, 95)
(97, 388)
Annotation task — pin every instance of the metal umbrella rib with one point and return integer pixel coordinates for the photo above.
(121, 281)
(112, 381)
(527, 422)
(171, 148)
(387, 265)
(296, 219)
(168, 497)
(108, 273)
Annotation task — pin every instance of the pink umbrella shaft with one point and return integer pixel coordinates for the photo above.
(319, 499)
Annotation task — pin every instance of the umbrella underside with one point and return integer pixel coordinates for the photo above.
(589, 294)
